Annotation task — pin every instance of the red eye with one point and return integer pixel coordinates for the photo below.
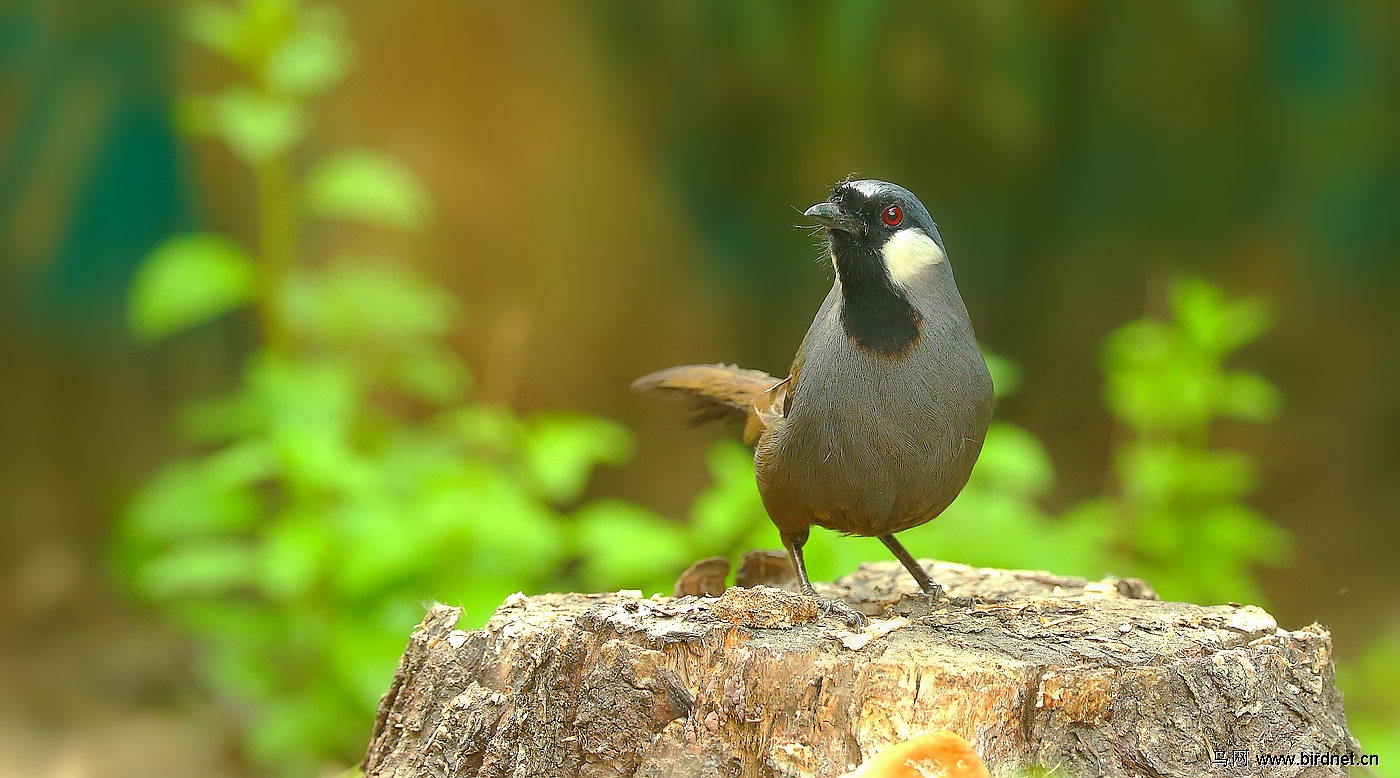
(893, 216)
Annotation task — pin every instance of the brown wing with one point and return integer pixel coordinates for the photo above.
(768, 409)
(720, 393)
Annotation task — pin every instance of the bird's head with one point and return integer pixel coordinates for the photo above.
(875, 225)
(889, 259)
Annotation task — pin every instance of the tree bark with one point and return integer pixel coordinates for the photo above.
(1050, 672)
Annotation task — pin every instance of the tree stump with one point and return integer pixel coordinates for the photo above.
(1044, 672)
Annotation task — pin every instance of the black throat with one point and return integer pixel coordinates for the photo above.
(875, 313)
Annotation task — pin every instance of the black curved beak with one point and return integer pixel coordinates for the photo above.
(831, 216)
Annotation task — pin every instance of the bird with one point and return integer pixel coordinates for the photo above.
(884, 411)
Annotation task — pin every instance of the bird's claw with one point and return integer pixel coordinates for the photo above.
(851, 617)
(936, 594)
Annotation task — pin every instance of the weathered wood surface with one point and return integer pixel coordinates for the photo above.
(1083, 678)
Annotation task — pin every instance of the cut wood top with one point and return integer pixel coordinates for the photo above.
(1095, 678)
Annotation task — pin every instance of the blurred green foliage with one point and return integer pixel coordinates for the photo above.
(1371, 685)
(351, 477)
(1179, 518)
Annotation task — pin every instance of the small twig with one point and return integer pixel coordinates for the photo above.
(1058, 622)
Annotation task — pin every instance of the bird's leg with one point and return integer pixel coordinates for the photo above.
(933, 590)
(793, 541)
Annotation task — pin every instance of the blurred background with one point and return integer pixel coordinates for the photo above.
(316, 313)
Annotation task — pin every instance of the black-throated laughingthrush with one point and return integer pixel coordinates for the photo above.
(878, 424)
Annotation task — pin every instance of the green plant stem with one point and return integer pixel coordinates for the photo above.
(277, 231)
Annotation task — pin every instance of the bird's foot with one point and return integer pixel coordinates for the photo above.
(849, 616)
(937, 595)
(920, 605)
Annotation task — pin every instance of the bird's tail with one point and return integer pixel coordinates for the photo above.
(720, 393)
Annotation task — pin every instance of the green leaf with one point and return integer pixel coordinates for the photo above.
(1248, 396)
(290, 729)
(1213, 322)
(210, 496)
(241, 639)
(1084, 538)
(186, 281)
(312, 59)
(509, 533)
(1158, 381)
(310, 408)
(221, 419)
(1155, 473)
(370, 187)
(1233, 531)
(266, 23)
(462, 519)
(1013, 461)
(237, 667)
(317, 456)
(198, 568)
(1006, 376)
(479, 597)
(430, 373)
(485, 429)
(625, 546)
(1198, 311)
(830, 556)
(1135, 344)
(364, 648)
(984, 527)
(1246, 320)
(258, 127)
(218, 27)
(561, 450)
(358, 300)
(419, 460)
(293, 554)
(730, 507)
(379, 545)
(317, 394)
(251, 626)
(1163, 534)
(1371, 683)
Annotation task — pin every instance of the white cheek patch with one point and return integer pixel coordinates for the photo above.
(908, 252)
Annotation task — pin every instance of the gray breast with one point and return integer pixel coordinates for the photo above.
(873, 445)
